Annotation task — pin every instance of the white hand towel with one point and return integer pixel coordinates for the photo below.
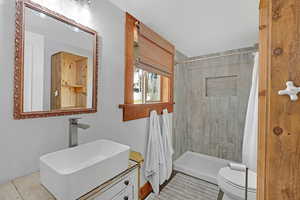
(167, 142)
(155, 169)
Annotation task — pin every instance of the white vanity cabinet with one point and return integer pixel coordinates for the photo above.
(124, 188)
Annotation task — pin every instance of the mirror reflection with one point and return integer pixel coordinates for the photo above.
(58, 64)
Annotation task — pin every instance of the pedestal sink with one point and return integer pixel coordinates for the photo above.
(68, 174)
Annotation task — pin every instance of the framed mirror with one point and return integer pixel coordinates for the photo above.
(56, 64)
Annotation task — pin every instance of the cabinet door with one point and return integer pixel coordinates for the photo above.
(126, 188)
(112, 192)
(121, 196)
(132, 189)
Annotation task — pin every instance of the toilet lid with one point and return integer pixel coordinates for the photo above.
(237, 178)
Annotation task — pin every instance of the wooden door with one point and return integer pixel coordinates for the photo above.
(279, 132)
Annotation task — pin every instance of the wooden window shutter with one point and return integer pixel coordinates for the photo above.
(147, 50)
(155, 54)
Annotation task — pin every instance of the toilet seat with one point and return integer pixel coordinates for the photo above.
(232, 183)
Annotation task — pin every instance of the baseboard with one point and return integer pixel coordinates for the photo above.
(145, 190)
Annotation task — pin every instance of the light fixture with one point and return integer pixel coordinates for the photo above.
(84, 1)
(42, 15)
(75, 29)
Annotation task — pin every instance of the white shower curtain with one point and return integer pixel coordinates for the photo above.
(251, 125)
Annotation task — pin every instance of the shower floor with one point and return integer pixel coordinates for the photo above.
(200, 166)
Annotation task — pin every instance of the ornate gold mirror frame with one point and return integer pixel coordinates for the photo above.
(19, 62)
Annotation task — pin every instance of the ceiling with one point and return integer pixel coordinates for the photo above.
(199, 27)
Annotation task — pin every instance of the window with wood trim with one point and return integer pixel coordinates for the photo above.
(149, 70)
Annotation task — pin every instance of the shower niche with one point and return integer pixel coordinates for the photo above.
(221, 86)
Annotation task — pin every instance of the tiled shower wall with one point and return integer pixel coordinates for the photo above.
(211, 97)
(180, 114)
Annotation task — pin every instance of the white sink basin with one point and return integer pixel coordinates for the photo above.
(71, 173)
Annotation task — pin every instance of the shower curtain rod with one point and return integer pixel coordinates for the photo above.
(219, 56)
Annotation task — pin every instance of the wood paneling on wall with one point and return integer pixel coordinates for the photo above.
(279, 127)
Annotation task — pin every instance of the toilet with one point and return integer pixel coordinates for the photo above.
(232, 183)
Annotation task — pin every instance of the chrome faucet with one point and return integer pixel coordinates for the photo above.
(73, 131)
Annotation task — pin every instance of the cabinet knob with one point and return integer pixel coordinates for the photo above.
(126, 198)
(126, 182)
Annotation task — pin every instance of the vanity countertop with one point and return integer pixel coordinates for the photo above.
(29, 187)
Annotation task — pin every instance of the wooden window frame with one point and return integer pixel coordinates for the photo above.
(133, 111)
